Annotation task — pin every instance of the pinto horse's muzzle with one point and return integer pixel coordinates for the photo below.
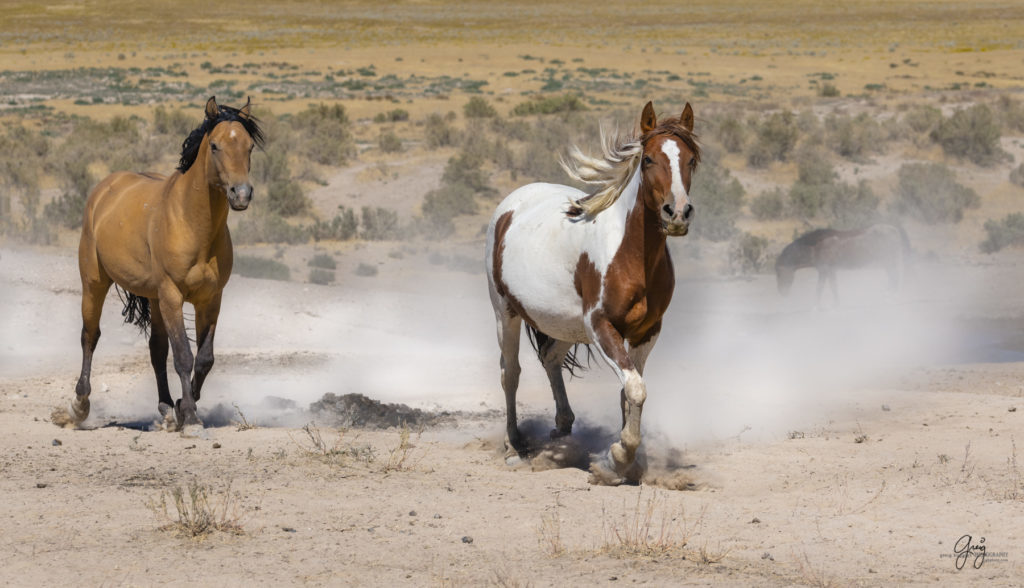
(239, 196)
(676, 222)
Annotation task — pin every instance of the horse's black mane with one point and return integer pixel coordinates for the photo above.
(190, 147)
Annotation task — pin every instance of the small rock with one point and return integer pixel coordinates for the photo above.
(1012, 409)
(289, 529)
(755, 520)
(216, 445)
(437, 516)
(885, 408)
(412, 513)
(613, 578)
(41, 484)
(767, 556)
(872, 571)
(57, 443)
(467, 539)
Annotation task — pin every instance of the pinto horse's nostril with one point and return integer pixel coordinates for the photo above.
(687, 211)
(668, 210)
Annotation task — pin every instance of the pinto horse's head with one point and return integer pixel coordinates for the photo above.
(670, 156)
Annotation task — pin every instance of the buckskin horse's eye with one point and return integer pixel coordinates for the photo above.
(214, 148)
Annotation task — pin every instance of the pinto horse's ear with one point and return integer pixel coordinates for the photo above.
(647, 119)
(687, 117)
(244, 111)
(212, 110)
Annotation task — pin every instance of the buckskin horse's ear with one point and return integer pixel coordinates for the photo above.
(212, 110)
(687, 117)
(244, 111)
(647, 119)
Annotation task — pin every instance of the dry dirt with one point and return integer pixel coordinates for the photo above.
(861, 466)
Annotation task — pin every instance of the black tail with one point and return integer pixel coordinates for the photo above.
(136, 309)
(539, 341)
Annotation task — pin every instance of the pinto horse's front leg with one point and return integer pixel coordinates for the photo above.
(622, 465)
(171, 301)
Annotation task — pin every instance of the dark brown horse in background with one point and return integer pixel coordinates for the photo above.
(165, 241)
(827, 250)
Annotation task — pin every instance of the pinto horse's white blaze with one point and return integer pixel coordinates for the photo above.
(599, 275)
(679, 194)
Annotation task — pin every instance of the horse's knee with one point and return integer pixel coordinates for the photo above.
(204, 363)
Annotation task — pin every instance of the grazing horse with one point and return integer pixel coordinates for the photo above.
(165, 241)
(593, 269)
(827, 250)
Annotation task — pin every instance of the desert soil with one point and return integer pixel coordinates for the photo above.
(859, 467)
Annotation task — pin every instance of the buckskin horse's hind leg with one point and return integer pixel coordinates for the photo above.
(158, 348)
(94, 291)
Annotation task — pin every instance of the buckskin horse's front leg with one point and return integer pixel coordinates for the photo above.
(171, 301)
(622, 465)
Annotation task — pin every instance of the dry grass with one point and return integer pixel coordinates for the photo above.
(650, 529)
(549, 534)
(403, 456)
(197, 515)
(814, 574)
(336, 452)
(242, 424)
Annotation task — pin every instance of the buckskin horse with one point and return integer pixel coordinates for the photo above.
(164, 241)
(593, 269)
(879, 245)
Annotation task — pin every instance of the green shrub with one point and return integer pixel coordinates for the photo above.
(1007, 232)
(1017, 175)
(776, 137)
(396, 115)
(930, 193)
(1011, 113)
(849, 206)
(173, 122)
(732, 133)
(549, 105)
(828, 90)
(971, 134)
(748, 254)
(443, 204)
(466, 167)
(323, 261)
(769, 205)
(262, 268)
(342, 227)
(437, 132)
(389, 142)
(922, 119)
(379, 224)
(478, 107)
(327, 134)
(271, 171)
(717, 199)
(854, 137)
(321, 277)
(68, 209)
(816, 179)
(267, 228)
(366, 270)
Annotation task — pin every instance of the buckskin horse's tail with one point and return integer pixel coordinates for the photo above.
(136, 309)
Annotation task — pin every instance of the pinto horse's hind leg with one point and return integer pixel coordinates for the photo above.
(94, 291)
(158, 349)
(552, 355)
(509, 327)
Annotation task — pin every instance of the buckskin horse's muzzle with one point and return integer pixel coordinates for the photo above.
(239, 196)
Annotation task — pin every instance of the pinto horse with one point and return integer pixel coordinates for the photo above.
(879, 245)
(593, 269)
(165, 241)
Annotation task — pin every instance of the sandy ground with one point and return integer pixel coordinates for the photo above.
(851, 446)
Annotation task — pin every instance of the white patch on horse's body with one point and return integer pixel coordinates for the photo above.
(543, 246)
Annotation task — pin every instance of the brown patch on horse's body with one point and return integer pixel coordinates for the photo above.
(514, 306)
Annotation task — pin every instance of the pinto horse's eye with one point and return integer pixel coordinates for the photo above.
(648, 160)
(693, 162)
